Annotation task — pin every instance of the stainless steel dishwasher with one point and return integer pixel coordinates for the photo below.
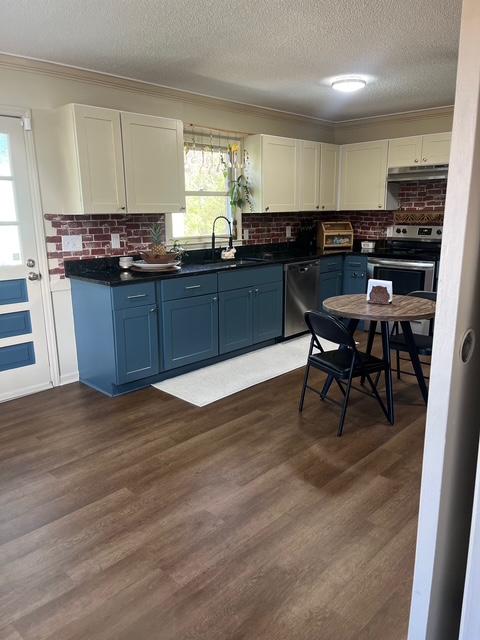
(302, 281)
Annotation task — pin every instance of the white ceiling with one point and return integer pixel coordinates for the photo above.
(271, 53)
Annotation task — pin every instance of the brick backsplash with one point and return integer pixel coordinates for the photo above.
(420, 203)
(423, 196)
(270, 228)
(96, 230)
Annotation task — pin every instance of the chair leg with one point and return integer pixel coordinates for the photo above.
(345, 404)
(398, 366)
(304, 388)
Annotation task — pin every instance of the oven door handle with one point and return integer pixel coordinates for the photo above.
(406, 264)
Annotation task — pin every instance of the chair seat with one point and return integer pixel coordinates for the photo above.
(423, 343)
(339, 362)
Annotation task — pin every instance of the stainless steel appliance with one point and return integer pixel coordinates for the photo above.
(422, 172)
(410, 261)
(301, 294)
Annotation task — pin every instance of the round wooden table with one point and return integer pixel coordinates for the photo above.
(403, 309)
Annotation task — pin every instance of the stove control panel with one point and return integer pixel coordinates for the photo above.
(412, 232)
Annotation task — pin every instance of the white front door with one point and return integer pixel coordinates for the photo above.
(24, 365)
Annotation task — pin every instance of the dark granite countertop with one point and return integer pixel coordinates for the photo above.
(107, 272)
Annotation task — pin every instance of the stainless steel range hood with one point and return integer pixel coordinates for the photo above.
(424, 172)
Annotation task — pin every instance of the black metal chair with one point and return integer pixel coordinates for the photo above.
(342, 364)
(423, 343)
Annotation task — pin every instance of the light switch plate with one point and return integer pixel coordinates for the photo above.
(245, 234)
(71, 243)
(115, 241)
(288, 231)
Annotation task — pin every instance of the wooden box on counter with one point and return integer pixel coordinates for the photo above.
(334, 236)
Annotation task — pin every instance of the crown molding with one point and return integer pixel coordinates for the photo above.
(57, 70)
(403, 116)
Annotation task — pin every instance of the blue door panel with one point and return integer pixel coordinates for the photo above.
(13, 291)
(330, 285)
(136, 343)
(15, 324)
(190, 330)
(17, 355)
(267, 311)
(235, 330)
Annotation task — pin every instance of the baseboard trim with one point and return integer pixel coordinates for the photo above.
(25, 391)
(68, 378)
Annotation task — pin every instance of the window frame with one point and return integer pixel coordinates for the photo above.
(203, 241)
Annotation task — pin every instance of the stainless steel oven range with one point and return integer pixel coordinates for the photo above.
(410, 260)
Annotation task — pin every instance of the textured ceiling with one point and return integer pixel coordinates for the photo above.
(271, 53)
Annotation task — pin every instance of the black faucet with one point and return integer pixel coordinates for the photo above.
(230, 238)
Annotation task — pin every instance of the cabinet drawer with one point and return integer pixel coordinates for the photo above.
(188, 287)
(249, 277)
(356, 262)
(133, 295)
(333, 263)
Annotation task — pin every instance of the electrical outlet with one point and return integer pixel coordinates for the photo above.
(71, 243)
(245, 234)
(288, 231)
(115, 241)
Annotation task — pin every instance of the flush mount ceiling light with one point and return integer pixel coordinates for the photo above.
(348, 85)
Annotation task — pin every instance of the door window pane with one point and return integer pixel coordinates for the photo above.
(7, 202)
(197, 220)
(5, 169)
(10, 253)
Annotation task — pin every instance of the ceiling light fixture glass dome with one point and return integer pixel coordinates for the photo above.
(348, 85)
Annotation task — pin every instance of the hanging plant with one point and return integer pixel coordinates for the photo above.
(240, 194)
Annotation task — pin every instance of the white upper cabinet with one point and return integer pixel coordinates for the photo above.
(405, 152)
(291, 175)
(273, 172)
(429, 149)
(309, 175)
(153, 156)
(329, 169)
(280, 169)
(436, 148)
(118, 162)
(92, 145)
(363, 173)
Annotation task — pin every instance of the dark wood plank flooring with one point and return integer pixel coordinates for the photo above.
(144, 518)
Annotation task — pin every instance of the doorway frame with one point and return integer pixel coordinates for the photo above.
(25, 115)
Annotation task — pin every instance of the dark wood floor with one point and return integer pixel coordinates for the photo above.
(144, 518)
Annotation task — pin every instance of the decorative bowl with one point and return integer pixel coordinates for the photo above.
(156, 259)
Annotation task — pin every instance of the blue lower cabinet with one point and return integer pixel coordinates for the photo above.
(354, 281)
(190, 330)
(136, 343)
(330, 285)
(235, 315)
(267, 311)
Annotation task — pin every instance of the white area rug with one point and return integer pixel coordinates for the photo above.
(219, 380)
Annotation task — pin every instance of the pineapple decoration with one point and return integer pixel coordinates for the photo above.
(158, 253)
(157, 248)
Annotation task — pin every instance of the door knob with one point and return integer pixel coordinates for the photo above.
(33, 276)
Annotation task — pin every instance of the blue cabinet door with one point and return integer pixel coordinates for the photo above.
(267, 311)
(136, 343)
(330, 285)
(190, 330)
(235, 316)
(354, 281)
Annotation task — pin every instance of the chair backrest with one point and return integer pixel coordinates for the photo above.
(323, 325)
(428, 295)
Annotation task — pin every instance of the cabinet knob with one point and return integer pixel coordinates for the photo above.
(323, 206)
(182, 208)
(416, 160)
(425, 159)
(267, 208)
(317, 207)
(256, 291)
(379, 206)
(123, 208)
(153, 309)
(214, 299)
